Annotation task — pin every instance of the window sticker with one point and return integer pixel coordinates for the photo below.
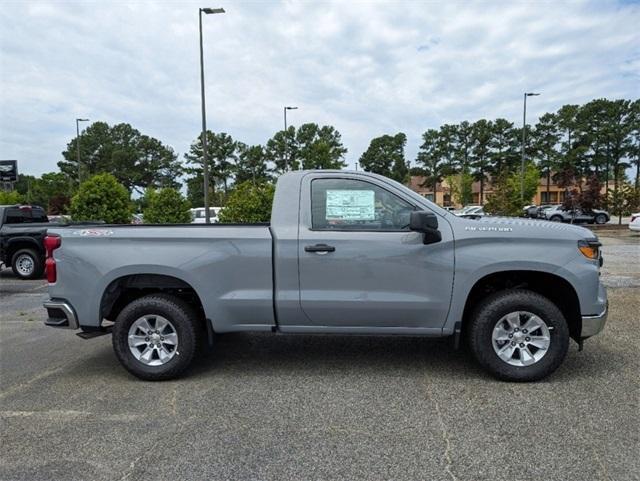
(350, 205)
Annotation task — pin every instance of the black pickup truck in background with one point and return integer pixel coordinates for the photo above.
(22, 232)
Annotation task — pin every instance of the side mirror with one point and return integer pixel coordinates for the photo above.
(427, 223)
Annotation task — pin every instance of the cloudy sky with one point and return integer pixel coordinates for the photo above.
(367, 68)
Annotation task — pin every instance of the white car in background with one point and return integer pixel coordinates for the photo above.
(197, 215)
(634, 223)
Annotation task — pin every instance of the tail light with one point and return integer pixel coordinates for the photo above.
(51, 243)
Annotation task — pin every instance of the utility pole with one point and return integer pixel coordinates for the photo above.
(524, 133)
(286, 143)
(203, 140)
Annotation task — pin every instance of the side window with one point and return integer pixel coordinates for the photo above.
(38, 215)
(16, 216)
(347, 204)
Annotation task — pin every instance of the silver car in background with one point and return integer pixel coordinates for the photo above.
(576, 216)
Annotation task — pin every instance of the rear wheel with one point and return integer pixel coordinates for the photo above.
(519, 335)
(556, 218)
(601, 219)
(156, 337)
(27, 264)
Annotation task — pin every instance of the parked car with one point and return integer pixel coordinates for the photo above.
(467, 209)
(577, 216)
(198, 215)
(474, 212)
(536, 211)
(22, 232)
(344, 253)
(634, 223)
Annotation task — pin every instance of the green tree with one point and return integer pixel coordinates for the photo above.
(222, 155)
(482, 132)
(460, 186)
(385, 156)
(544, 140)
(320, 147)
(623, 201)
(569, 148)
(464, 143)
(101, 197)
(282, 150)
(446, 146)
(252, 164)
(430, 158)
(505, 199)
(195, 192)
(618, 133)
(166, 206)
(592, 140)
(137, 161)
(249, 202)
(504, 147)
(52, 191)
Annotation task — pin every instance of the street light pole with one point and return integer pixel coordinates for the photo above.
(203, 139)
(285, 130)
(524, 133)
(78, 145)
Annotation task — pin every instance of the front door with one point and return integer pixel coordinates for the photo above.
(360, 265)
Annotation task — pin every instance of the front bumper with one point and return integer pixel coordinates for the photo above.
(592, 325)
(60, 314)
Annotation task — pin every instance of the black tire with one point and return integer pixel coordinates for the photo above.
(184, 319)
(492, 309)
(32, 256)
(601, 219)
(556, 218)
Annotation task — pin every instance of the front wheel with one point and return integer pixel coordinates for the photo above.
(601, 219)
(556, 218)
(519, 335)
(156, 337)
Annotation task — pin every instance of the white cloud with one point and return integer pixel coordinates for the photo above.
(366, 68)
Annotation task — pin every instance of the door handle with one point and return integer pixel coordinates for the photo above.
(319, 248)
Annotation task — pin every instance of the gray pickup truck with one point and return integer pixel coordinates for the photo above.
(344, 253)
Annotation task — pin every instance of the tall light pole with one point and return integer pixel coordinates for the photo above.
(203, 140)
(78, 145)
(524, 133)
(285, 130)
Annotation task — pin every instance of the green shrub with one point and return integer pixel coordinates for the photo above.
(8, 198)
(166, 206)
(102, 198)
(249, 202)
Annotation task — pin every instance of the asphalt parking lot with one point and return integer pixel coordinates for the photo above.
(319, 407)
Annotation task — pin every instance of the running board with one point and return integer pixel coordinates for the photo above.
(95, 333)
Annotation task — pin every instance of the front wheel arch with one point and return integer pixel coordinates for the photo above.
(555, 288)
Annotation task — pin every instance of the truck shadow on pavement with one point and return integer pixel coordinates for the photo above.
(320, 355)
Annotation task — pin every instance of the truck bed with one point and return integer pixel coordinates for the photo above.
(228, 264)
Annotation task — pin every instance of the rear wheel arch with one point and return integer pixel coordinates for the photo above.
(553, 287)
(19, 243)
(125, 289)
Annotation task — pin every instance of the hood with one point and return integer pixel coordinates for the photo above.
(526, 227)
